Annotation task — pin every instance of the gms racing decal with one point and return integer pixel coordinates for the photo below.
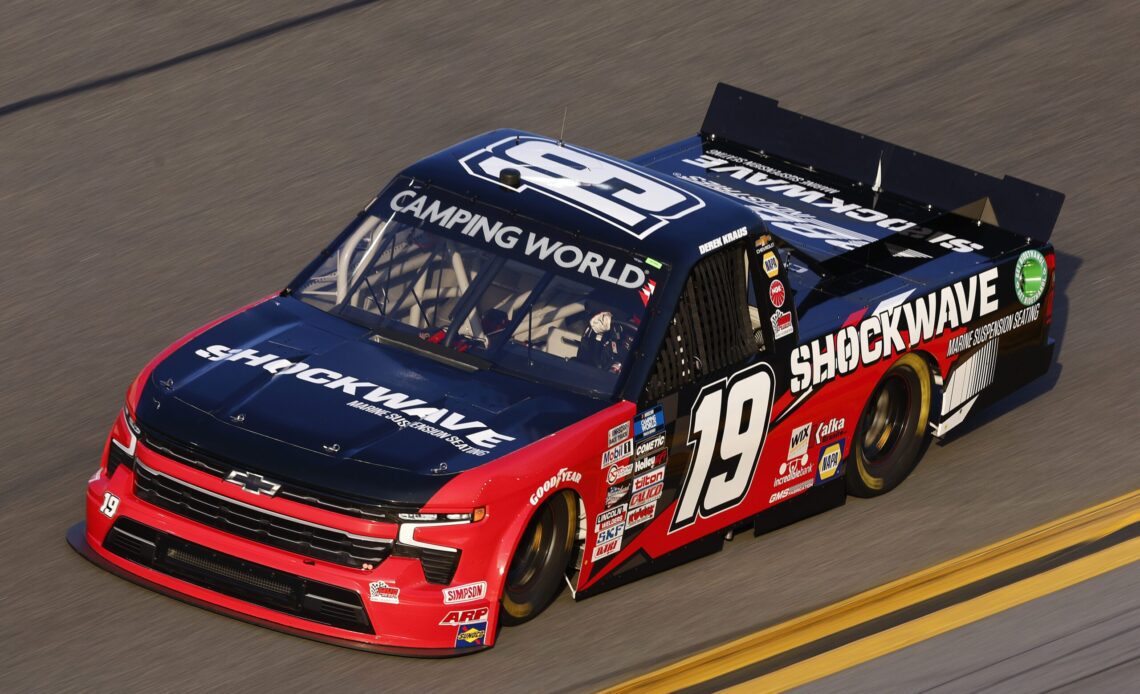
(880, 335)
(400, 408)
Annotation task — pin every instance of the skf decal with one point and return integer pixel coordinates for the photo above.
(880, 336)
(554, 482)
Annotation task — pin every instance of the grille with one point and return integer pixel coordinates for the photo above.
(250, 522)
(237, 578)
(220, 467)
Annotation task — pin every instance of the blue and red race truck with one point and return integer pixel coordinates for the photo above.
(526, 366)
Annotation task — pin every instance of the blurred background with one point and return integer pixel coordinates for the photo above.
(162, 163)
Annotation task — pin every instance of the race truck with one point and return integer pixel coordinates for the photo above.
(527, 367)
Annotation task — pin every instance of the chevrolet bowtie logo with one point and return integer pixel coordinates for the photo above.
(253, 482)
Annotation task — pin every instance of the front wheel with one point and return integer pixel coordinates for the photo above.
(892, 433)
(539, 564)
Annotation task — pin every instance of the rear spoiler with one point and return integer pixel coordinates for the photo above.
(758, 123)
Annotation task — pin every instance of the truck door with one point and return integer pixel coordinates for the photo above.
(705, 412)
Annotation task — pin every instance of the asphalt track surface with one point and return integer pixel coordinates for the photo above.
(163, 163)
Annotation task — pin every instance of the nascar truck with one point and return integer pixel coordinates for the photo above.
(526, 367)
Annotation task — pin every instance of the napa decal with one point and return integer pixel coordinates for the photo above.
(894, 330)
(406, 411)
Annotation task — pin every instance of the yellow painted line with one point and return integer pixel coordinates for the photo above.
(1083, 526)
(944, 620)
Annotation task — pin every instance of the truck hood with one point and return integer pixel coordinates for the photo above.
(304, 397)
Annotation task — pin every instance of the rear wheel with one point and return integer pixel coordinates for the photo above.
(892, 433)
(539, 564)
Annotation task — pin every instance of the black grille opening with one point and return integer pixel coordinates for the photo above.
(237, 578)
(115, 457)
(439, 565)
(327, 544)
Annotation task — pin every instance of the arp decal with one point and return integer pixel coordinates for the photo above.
(723, 439)
(636, 202)
(457, 617)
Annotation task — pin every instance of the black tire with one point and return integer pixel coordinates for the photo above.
(538, 568)
(893, 431)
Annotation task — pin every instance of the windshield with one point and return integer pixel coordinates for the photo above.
(427, 268)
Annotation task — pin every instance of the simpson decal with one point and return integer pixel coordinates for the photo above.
(469, 592)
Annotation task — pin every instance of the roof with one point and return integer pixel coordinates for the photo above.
(601, 198)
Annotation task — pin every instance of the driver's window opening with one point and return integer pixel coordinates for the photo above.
(711, 328)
